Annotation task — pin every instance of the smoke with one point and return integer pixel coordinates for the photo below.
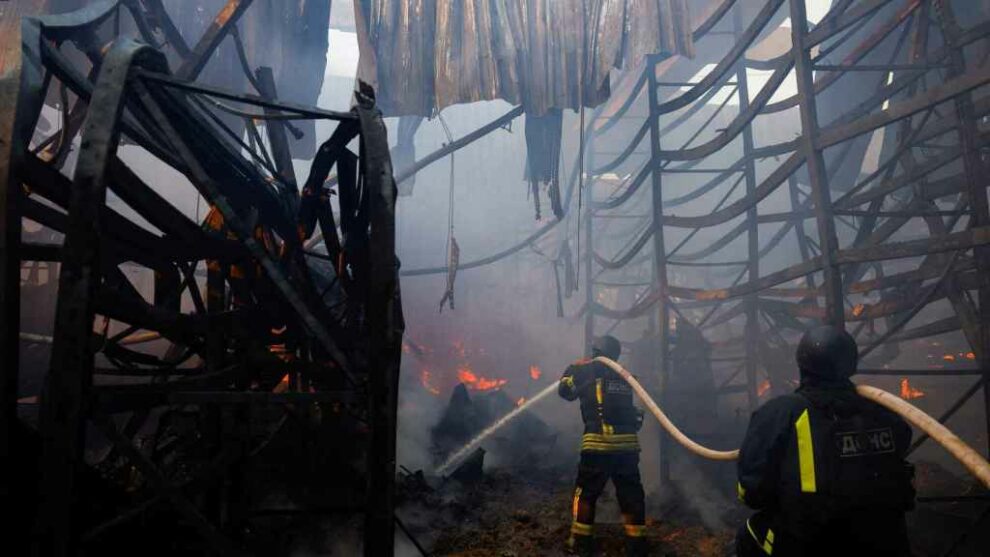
(699, 488)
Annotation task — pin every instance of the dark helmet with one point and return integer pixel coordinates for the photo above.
(827, 352)
(607, 346)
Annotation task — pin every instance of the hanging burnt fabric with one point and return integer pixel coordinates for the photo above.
(566, 259)
(543, 157)
(432, 54)
(453, 260)
(404, 153)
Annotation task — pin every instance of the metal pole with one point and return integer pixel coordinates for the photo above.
(659, 255)
(975, 172)
(64, 400)
(589, 260)
(10, 241)
(752, 228)
(385, 328)
(803, 71)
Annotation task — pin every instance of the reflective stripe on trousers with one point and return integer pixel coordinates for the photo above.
(766, 544)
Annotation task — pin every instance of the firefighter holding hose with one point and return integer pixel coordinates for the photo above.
(823, 466)
(609, 448)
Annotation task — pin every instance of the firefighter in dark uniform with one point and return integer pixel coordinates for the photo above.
(823, 466)
(609, 448)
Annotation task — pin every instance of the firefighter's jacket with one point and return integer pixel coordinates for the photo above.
(610, 418)
(813, 458)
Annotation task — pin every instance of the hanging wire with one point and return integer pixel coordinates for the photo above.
(450, 200)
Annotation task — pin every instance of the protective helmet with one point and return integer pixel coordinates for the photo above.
(607, 346)
(827, 352)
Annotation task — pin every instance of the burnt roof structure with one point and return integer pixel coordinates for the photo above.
(886, 234)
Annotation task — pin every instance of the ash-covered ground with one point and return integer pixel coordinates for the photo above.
(514, 512)
(525, 511)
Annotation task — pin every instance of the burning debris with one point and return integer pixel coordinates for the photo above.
(478, 383)
(908, 392)
(535, 373)
(426, 379)
(763, 388)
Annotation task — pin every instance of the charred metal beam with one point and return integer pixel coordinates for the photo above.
(171, 32)
(32, 251)
(128, 237)
(949, 90)
(659, 253)
(919, 372)
(62, 412)
(240, 228)
(221, 544)
(752, 229)
(459, 143)
(300, 111)
(118, 399)
(63, 69)
(831, 26)
(211, 39)
(12, 105)
(385, 327)
(975, 170)
(816, 163)
(276, 130)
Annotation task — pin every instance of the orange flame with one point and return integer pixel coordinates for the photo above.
(476, 383)
(948, 358)
(763, 388)
(466, 375)
(425, 380)
(970, 356)
(908, 392)
(535, 372)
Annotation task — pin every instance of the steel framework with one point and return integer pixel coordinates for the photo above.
(245, 326)
(925, 89)
(884, 245)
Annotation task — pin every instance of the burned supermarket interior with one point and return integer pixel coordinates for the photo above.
(508, 278)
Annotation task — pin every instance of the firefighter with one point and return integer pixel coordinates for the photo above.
(609, 448)
(823, 466)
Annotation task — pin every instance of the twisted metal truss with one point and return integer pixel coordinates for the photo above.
(874, 249)
(246, 316)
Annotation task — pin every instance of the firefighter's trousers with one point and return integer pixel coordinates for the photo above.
(594, 471)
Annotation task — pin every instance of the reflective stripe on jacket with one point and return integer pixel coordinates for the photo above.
(610, 418)
(819, 454)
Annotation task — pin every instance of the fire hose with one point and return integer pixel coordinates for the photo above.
(973, 461)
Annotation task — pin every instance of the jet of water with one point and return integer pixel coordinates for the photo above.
(460, 454)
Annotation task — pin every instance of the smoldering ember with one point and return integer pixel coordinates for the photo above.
(508, 278)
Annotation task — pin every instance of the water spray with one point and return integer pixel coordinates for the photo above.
(465, 451)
